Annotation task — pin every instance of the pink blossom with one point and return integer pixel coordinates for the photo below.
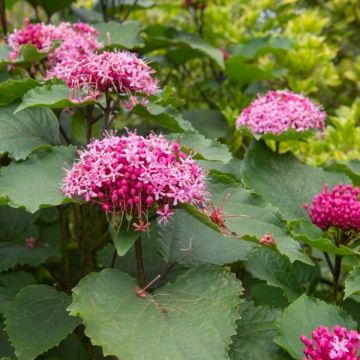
(136, 176)
(340, 344)
(120, 72)
(281, 110)
(76, 40)
(339, 208)
(267, 239)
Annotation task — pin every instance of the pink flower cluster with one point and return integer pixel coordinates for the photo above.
(339, 208)
(76, 40)
(133, 176)
(340, 344)
(121, 72)
(281, 110)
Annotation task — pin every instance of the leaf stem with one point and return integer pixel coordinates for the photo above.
(140, 262)
(330, 264)
(337, 271)
(277, 147)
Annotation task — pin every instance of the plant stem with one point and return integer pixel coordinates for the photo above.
(64, 241)
(140, 262)
(3, 17)
(337, 270)
(330, 264)
(113, 260)
(277, 147)
(104, 9)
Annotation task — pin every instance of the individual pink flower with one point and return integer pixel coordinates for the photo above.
(76, 40)
(134, 176)
(339, 208)
(268, 240)
(279, 111)
(339, 344)
(117, 72)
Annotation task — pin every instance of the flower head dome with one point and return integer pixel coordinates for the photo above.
(279, 111)
(76, 40)
(120, 72)
(133, 175)
(339, 208)
(339, 344)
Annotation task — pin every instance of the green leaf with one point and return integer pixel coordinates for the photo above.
(29, 53)
(164, 325)
(160, 36)
(243, 74)
(189, 242)
(302, 317)
(250, 217)
(211, 123)
(22, 133)
(123, 238)
(125, 35)
(51, 6)
(350, 168)
(13, 222)
(11, 89)
(5, 49)
(308, 233)
(255, 331)
(10, 285)
(166, 116)
(288, 135)
(6, 350)
(12, 255)
(352, 283)
(36, 182)
(208, 149)
(38, 311)
(49, 96)
(69, 349)
(265, 295)
(276, 270)
(284, 181)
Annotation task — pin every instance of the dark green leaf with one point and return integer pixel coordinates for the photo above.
(6, 350)
(11, 89)
(36, 182)
(352, 283)
(38, 311)
(13, 222)
(123, 237)
(165, 324)
(51, 6)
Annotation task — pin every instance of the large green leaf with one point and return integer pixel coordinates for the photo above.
(276, 270)
(6, 350)
(255, 331)
(13, 222)
(166, 116)
(352, 283)
(283, 180)
(160, 36)
(192, 318)
(11, 89)
(51, 6)
(10, 285)
(36, 182)
(302, 317)
(30, 130)
(211, 123)
(49, 96)
(189, 242)
(125, 35)
(12, 255)
(249, 216)
(350, 168)
(38, 311)
(208, 149)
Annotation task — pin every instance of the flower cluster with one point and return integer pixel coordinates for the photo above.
(340, 344)
(76, 40)
(279, 111)
(339, 208)
(120, 72)
(135, 176)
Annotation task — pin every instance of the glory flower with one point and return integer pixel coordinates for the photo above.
(76, 40)
(339, 208)
(279, 111)
(119, 72)
(136, 176)
(339, 344)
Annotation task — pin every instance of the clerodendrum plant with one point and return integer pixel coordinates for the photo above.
(127, 231)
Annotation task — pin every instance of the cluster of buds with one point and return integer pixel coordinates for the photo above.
(134, 177)
(339, 344)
